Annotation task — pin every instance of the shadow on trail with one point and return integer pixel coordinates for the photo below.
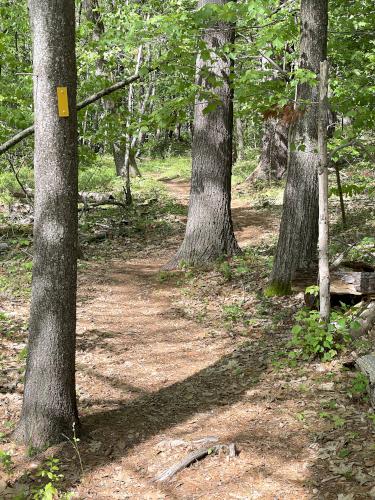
(218, 385)
(247, 217)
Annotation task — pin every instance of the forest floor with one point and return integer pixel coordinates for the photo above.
(168, 362)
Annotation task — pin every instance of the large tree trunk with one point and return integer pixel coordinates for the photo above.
(49, 405)
(297, 245)
(274, 154)
(209, 232)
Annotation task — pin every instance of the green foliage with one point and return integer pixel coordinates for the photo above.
(173, 167)
(99, 176)
(233, 313)
(9, 184)
(337, 421)
(48, 478)
(359, 384)
(313, 338)
(276, 289)
(225, 269)
(6, 460)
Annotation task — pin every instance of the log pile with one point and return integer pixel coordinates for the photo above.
(353, 278)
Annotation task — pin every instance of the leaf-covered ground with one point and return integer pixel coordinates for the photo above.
(167, 362)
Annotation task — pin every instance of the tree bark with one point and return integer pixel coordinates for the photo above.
(324, 283)
(297, 245)
(240, 139)
(49, 405)
(274, 153)
(209, 231)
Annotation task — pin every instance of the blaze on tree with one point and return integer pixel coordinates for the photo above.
(49, 405)
(209, 231)
(297, 245)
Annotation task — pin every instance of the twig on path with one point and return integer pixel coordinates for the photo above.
(194, 456)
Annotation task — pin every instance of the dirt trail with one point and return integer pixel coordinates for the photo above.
(151, 383)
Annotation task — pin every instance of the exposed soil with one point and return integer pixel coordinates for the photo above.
(154, 381)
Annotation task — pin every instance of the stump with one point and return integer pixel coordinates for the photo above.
(366, 364)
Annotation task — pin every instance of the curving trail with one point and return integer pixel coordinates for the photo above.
(151, 382)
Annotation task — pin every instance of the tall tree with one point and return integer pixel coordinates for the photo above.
(297, 245)
(209, 231)
(49, 405)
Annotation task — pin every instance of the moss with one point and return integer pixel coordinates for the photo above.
(277, 289)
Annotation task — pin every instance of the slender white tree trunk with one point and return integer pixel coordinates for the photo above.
(324, 283)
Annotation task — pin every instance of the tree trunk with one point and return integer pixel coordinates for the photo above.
(119, 158)
(91, 8)
(297, 245)
(209, 232)
(274, 154)
(240, 139)
(324, 293)
(49, 405)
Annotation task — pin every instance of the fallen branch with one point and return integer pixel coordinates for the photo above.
(90, 200)
(92, 206)
(194, 457)
(100, 236)
(89, 100)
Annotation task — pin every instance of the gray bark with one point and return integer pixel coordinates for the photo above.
(209, 232)
(274, 154)
(297, 245)
(49, 406)
(240, 139)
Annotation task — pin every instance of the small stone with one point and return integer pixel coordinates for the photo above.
(4, 247)
(3, 485)
(327, 386)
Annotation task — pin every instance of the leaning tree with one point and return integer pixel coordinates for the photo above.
(297, 245)
(209, 231)
(49, 408)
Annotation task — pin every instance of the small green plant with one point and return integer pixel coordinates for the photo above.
(22, 355)
(6, 460)
(336, 420)
(343, 453)
(164, 276)
(233, 313)
(313, 338)
(74, 441)
(225, 270)
(332, 405)
(359, 384)
(48, 477)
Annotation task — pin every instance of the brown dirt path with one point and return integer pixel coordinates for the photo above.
(152, 383)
